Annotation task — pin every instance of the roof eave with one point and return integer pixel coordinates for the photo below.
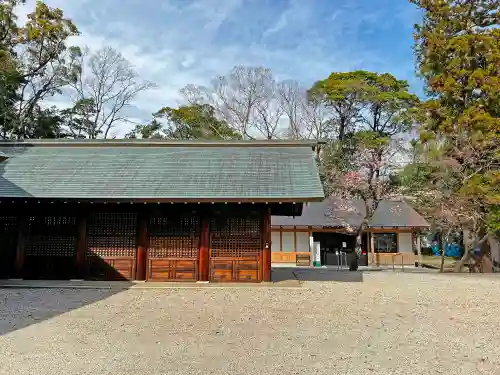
(397, 226)
(155, 143)
(166, 200)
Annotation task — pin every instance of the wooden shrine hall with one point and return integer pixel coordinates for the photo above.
(148, 210)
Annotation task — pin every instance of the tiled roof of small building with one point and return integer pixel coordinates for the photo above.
(341, 213)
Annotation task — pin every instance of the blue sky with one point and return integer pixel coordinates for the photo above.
(178, 42)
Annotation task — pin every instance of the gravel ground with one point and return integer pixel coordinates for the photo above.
(391, 323)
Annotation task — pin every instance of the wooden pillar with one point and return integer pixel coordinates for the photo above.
(281, 239)
(266, 248)
(310, 233)
(22, 237)
(142, 246)
(294, 238)
(204, 266)
(419, 249)
(81, 244)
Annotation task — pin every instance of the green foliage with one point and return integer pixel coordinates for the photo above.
(458, 55)
(153, 130)
(493, 220)
(77, 119)
(416, 175)
(371, 140)
(369, 111)
(32, 67)
(379, 102)
(197, 121)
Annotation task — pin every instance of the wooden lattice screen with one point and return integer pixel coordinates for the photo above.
(236, 237)
(112, 234)
(174, 236)
(51, 236)
(8, 241)
(8, 225)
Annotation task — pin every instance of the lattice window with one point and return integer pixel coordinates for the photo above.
(8, 237)
(112, 234)
(174, 236)
(8, 225)
(52, 236)
(236, 236)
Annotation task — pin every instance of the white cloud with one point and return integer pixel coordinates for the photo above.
(174, 43)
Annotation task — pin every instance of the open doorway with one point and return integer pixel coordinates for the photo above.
(331, 243)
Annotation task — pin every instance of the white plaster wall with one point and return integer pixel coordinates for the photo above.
(303, 241)
(275, 241)
(405, 243)
(288, 242)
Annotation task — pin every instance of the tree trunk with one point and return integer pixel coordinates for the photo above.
(495, 252)
(445, 245)
(467, 253)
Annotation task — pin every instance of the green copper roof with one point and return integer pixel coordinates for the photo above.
(271, 171)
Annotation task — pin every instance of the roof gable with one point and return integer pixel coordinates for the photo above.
(271, 171)
(391, 214)
(341, 213)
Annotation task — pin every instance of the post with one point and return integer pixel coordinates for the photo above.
(266, 248)
(81, 243)
(294, 238)
(22, 234)
(372, 246)
(419, 250)
(204, 259)
(311, 248)
(142, 246)
(281, 239)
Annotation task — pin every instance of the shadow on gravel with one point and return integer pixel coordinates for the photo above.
(21, 307)
(316, 274)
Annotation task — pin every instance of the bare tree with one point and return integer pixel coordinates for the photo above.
(102, 88)
(319, 123)
(293, 102)
(256, 105)
(246, 98)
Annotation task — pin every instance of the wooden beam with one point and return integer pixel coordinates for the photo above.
(266, 248)
(142, 246)
(295, 241)
(390, 230)
(81, 243)
(323, 230)
(22, 238)
(203, 265)
(281, 240)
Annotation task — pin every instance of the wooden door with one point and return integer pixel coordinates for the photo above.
(174, 243)
(236, 248)
(8, 241)
(50, 247)
(111, 245)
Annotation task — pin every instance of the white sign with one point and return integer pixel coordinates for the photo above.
(344, 244)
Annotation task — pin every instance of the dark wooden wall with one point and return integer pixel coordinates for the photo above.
(160, 242)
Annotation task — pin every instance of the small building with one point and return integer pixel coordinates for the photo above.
(334, 224)
(148, 210)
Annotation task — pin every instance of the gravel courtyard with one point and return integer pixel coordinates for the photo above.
(390, 323)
